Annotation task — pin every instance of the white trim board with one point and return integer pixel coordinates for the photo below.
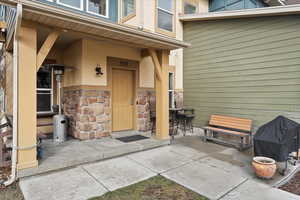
(257, 12)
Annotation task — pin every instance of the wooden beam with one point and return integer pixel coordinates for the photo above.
(156, 63)
(162, 98)
(46, 47)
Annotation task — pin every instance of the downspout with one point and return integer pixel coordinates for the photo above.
(15, 96)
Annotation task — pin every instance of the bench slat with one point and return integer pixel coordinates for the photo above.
(227, 118)
(231, 122)
(226, 131)
(230, 125)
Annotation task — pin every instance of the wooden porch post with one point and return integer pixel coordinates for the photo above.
(27, 119)
(161, 62)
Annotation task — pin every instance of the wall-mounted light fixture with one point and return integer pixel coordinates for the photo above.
(98, 70)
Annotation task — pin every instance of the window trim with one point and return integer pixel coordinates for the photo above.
(51, 95)
(163, 31)
(130, 16)
(97, 14)
(67, 5)
(172, 90)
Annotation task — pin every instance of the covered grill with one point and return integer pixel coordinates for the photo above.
(277, 139)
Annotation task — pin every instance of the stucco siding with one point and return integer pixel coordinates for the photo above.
(243, 67)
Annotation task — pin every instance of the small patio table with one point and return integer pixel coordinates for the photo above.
(173, 118)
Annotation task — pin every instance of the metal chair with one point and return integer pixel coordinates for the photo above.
(185, 120)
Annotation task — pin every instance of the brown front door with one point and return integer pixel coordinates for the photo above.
(122, 99)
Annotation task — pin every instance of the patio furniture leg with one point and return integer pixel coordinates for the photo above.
(184, 128)
(242, 144)
(153, 126)
(205, 136)
(1, 153)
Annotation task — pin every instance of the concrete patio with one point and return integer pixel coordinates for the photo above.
(211, 170)
(75, 152)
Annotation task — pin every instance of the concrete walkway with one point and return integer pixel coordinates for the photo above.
(203, 171)
(75, 152)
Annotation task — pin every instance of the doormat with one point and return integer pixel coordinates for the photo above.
(132, 138)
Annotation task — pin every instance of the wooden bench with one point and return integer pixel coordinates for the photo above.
(233, 126)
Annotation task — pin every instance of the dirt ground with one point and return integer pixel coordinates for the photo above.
(12, 192)
(293, 186)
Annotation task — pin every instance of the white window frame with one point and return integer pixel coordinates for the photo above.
(51, 95)
(93, 13)
(172, 91)
(129, 15)
(67, 5)
(192, 4)
(169, 12)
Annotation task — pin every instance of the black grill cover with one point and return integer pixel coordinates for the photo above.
(277, 139)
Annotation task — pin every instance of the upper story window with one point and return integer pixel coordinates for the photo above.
(98, 7)
(128, 8)
(77, 4)
(190, 7)
(171, 90)
(165, 15)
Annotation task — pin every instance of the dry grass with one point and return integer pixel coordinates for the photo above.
(156, 188)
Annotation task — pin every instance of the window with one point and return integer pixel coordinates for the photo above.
(44, 90)
(171, 90)
(98, 7)
(165, 15)
(77, 4)
(128, 8)
(190, 8)
(2, 100)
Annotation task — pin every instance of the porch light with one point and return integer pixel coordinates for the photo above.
(98, 70)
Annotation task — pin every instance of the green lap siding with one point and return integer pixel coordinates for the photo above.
(247, 68)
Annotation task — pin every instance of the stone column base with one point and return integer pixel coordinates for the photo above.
(89, 112)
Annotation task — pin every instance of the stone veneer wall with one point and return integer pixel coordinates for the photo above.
(146, 103)
(89, 112)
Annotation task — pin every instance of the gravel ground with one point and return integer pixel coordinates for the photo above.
(293, 186)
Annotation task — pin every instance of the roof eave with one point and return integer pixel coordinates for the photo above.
(40, 8)
(257, 12)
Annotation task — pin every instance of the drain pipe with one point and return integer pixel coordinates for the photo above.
(15, 96)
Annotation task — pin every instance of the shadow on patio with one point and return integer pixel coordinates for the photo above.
(230, 159)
